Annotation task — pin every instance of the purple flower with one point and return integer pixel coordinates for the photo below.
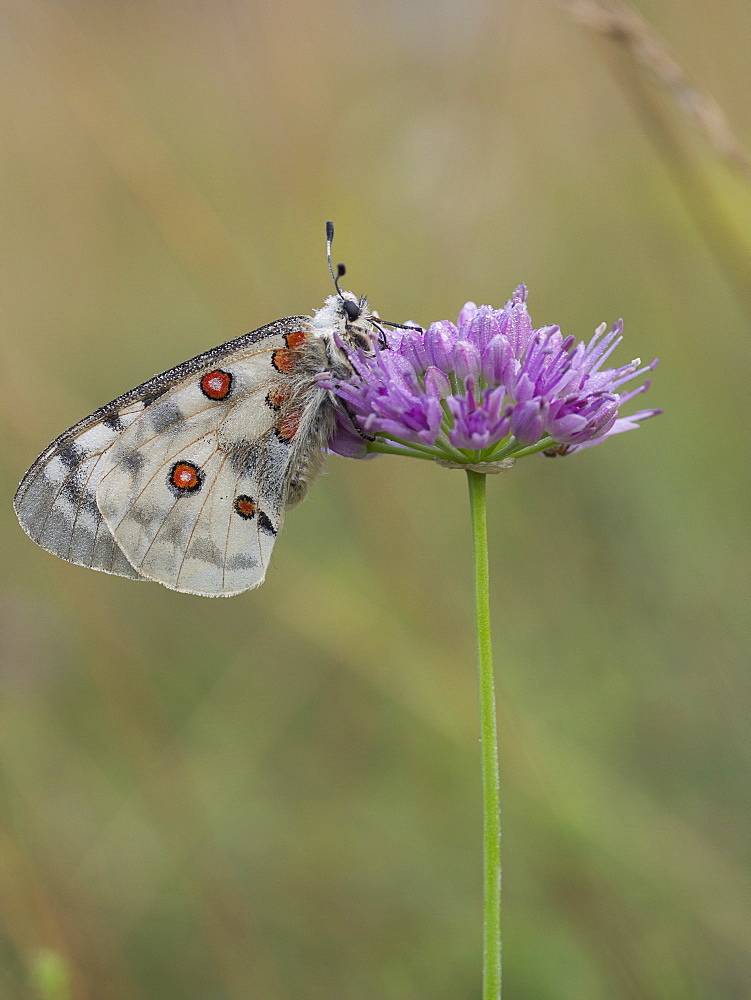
(486, 390)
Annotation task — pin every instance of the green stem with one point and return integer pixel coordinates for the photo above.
(491, 978)
(384, 448)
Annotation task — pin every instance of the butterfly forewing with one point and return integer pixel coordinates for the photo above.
(56, 501)
(182, 480)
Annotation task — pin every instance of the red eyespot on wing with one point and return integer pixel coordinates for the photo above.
(277, 397)
(216, 384)
(295, 340)
(284, 361)
(289, 424)
(184, 477)
(245, 506)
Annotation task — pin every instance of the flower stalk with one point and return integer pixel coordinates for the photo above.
(479, 395)
(491, 965)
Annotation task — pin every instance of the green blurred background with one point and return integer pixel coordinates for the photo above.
(277, 796)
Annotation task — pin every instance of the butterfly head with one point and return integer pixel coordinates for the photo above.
(347, 319)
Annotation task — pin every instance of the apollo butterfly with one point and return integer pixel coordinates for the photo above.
(185, 479)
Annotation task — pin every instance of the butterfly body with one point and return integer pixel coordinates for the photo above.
(186, 479)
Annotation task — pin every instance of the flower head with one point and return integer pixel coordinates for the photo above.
(486, 390)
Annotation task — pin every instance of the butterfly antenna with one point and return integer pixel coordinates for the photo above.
(402, 326)
(340, 268)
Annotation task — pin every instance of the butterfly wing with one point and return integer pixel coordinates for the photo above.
(183, 480)
(56, 500)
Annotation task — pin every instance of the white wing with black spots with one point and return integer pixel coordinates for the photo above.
(102, 495)
(185, 479)
(170, 484)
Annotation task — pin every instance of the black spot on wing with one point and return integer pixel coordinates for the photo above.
(87, 502)
(133, 462)
(264, 523)
(114, 423)
(166, 416)
(74, 486)
(241, 560)
(71, 455)
(206, 551)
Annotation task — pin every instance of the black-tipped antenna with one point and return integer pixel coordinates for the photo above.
(340, 268)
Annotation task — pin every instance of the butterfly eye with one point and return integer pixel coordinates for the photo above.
(352, 309)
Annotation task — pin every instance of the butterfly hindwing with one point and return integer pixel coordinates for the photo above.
(169, 486)
(184, 479)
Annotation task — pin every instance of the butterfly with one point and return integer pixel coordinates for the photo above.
(186, 479)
